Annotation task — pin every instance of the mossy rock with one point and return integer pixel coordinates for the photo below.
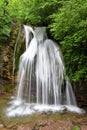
(8, 88)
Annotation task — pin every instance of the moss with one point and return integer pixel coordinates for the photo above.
(8, 89)
(76, 128)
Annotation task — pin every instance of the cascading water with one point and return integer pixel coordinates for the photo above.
(42, 83)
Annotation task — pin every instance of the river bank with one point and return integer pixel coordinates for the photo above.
(51, 121)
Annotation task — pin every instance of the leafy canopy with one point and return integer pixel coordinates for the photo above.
(69, 27)
(5, 21)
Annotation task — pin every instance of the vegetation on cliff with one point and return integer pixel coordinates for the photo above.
(67, 24)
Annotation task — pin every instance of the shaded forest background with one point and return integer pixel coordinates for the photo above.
(66, 22)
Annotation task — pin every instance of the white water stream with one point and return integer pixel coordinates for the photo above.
(43, 85)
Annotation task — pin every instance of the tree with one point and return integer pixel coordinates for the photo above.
(69, 27)
(35, 12)
(5, 21)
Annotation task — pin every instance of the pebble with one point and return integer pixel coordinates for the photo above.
(1, 126)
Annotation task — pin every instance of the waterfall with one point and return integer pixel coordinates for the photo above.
(43, 85)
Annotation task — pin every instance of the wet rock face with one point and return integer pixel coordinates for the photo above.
(81, 95)
(7, 78)
(3, 83)
(7, 63)
(6, 55)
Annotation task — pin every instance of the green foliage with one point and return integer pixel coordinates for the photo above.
(24, 11)
(5, 21)
(35, 12)
(69, 27)
(76, 128)
(8, 88)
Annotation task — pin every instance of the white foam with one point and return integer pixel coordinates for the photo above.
(23, 109)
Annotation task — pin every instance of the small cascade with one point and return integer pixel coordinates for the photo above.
(43, 85)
